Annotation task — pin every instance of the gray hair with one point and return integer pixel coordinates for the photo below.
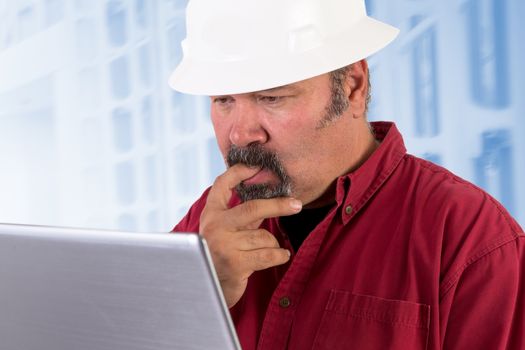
(338, 99)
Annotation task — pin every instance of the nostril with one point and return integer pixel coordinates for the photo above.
(243, 137)
(235, 137)
(246, 127)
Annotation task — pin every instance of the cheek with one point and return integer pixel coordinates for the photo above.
(296, 145)
(306, 150)
(221, 129)
(298, 130)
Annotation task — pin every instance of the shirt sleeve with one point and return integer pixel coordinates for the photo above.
(485, 309)
(190, 222)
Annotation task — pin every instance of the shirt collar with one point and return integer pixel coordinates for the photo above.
(354, 189)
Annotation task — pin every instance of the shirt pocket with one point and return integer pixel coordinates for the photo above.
(364, 322)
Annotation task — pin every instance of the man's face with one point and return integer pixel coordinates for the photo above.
(283, 131)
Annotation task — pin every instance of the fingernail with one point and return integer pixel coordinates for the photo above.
(289, 253)
(296, 204)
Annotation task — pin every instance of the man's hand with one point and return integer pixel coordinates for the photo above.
(238, 247)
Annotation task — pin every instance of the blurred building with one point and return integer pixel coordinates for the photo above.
(103, 141)
(91, 135)
(453, 82)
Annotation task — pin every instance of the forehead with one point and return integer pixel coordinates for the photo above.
(306, 85)
(288, 87)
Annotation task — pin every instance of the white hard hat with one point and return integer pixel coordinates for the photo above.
(238, 46)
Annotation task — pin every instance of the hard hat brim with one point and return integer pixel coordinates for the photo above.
(213, 78)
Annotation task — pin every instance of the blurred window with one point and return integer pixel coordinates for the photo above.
(215, 160)
(27, 24)
(127, 222)
(120, 80)
(142, 13)
(116, 22)
(86, 40)
(145, 71)
(125, 183)
(153, 220)
(488, 53)
(186, 169)
(122, 129)
(54, 10)
(148, 123)
(494, 170)
(88, 87)
(425, 85)
(150, 175)
(176, 33)
(182, 103)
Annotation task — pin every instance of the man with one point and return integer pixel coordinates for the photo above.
(324, 232)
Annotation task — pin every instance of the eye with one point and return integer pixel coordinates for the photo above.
(271, 100)
(222, 100)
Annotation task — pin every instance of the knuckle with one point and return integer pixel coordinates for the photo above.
(228, 262)
(253, 239)
(257, 239)
(224, 262)
(219, 180)
(272, 240)
(267, 256)
(250, 208)
(206, 228)
(266, 238)
(284, 204)
(210, 223)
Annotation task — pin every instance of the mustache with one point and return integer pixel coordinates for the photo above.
(256, 156)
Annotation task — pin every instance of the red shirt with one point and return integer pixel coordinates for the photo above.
(411, 257)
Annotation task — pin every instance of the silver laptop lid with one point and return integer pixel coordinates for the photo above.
(73, 289)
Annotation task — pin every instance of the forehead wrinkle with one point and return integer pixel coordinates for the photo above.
(290, 87)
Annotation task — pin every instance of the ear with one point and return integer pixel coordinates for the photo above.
(357, 85)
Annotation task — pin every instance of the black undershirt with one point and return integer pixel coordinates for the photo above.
(299, 226)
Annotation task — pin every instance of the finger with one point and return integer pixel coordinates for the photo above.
(261, 259)
(255, 239)
(221, 190)
(243, 215)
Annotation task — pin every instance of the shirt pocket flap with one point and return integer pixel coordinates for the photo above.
(353, 321)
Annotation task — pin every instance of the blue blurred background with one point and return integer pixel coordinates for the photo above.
(92, 136)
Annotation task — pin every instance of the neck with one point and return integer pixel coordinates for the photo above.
(364, 147)
(365, 144)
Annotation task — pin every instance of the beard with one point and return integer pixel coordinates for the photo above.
(256, 156)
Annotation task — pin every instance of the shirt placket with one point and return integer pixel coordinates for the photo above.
(285, 300)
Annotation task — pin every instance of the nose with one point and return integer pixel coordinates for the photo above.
(246, 128)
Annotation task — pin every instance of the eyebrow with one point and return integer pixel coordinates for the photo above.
(293, 88)
(283, 87)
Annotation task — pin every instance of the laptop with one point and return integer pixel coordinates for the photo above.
(78, 289)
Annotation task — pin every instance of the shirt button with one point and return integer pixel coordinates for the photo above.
(284, 302)
(348, 209)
